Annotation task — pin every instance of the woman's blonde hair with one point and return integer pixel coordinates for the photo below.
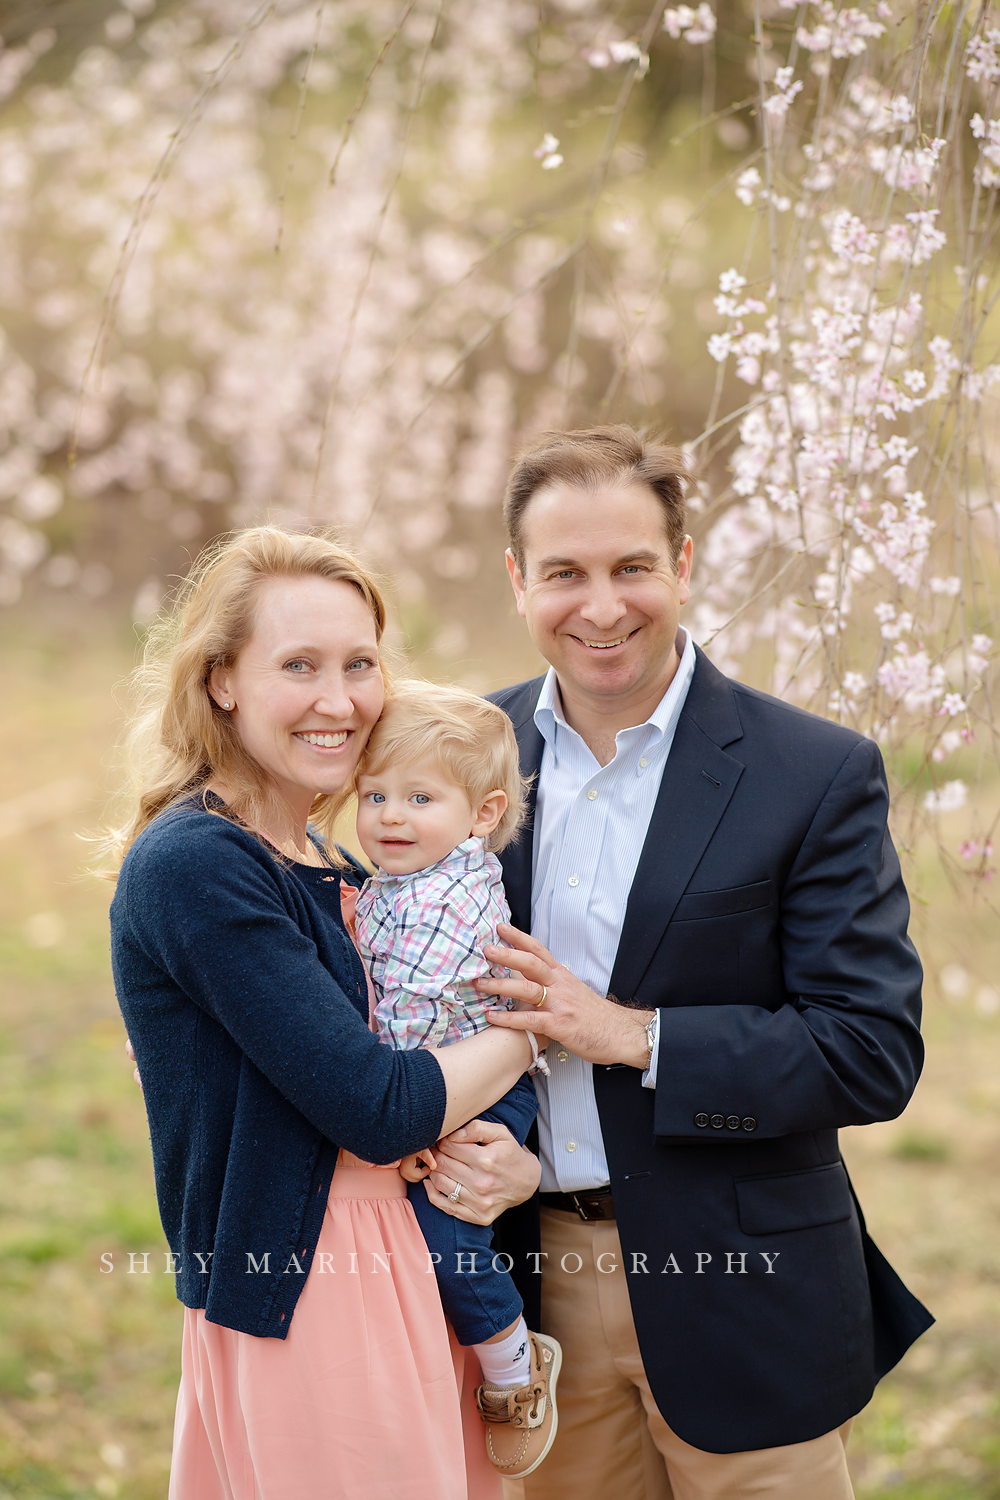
(179, 739)
(470, 739)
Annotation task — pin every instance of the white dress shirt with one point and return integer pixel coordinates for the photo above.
(590, 826)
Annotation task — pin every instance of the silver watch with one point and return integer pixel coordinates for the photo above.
(650, 1038)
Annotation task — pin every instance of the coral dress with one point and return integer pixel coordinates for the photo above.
(369, 1395)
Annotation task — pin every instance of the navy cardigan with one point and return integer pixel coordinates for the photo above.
(246, 1004)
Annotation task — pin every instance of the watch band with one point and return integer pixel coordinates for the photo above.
(651, 1030)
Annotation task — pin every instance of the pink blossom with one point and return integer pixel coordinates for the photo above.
(983, 57)
(844, 33)
(696, 26)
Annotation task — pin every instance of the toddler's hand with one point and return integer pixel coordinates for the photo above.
(416, 1167)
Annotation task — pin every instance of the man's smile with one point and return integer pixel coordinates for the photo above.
(606, 645)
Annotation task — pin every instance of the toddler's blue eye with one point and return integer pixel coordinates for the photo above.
(376, 797)
(420, 798)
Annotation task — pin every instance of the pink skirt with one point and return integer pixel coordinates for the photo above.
(369, 1395)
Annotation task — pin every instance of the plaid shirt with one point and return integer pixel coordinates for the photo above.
(421, 937)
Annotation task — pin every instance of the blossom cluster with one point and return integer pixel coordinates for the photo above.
(695, 26)
(835, 477)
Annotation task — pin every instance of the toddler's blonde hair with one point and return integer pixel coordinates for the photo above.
(470, 739)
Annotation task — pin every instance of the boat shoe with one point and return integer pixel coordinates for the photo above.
(522, 1422)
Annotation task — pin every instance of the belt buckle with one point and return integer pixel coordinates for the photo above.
(592, 1213)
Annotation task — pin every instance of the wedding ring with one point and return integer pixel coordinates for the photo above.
(545, 991)
(453, 1197)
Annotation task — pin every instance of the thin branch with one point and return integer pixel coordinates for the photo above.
(147, 202)
(359, 102)
(293, 139)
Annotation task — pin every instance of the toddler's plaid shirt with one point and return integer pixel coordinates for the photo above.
(421, 937)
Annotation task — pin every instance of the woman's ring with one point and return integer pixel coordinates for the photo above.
(545, 991)
(453, 1197)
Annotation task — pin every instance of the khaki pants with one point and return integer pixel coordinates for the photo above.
(612, 1439)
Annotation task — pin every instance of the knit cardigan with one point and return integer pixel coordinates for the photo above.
(246, 1004)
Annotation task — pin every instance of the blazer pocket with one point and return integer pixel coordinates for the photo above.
(698, 905)
(795, 1200)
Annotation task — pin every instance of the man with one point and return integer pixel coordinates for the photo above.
(713, 868)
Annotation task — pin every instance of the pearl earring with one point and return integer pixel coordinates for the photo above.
(227, 705)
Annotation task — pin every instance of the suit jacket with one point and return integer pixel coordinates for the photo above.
(767, 924)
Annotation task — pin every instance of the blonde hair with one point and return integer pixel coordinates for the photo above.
(470, 739)
(179, 739)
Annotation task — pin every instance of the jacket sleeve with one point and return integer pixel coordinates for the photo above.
(205, 906)
(844, 1048)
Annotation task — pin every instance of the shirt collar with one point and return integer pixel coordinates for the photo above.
(549, 711)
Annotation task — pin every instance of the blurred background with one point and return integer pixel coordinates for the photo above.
(334, 262)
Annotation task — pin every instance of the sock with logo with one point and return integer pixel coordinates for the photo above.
(508, 1363)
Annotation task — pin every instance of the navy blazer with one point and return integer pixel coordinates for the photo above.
(767, 924)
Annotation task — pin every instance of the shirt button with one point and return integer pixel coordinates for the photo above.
(562, 1056)
(643, 764)
(573, 880)
(571, 1145)
(591, 795)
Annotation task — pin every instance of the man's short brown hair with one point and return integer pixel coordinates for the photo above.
(593, 456)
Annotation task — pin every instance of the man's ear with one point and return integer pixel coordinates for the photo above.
(516, 580)
(490, 811)
(684, 560)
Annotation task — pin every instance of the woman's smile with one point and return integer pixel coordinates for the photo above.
(322, 739)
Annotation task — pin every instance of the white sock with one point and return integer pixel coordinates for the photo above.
(507, 1363)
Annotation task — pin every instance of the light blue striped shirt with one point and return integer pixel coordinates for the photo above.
(590, 826)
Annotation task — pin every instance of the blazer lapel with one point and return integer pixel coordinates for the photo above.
(699, 778)
(516, 858)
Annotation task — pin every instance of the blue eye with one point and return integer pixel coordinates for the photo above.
(295, 666)
(376, 797)
(420, 798)
(360, 664)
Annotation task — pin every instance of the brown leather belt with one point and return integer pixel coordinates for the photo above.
(593, 1204)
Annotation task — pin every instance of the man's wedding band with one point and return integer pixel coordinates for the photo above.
(453, 1197)
(545, 991)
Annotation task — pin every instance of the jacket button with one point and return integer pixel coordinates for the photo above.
(732, 1122)
(701, 1121)
(718, 1121)
(749, 1123)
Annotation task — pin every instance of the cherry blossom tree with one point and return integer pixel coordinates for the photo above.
(334, 259)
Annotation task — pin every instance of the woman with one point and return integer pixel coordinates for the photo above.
(316, 1361)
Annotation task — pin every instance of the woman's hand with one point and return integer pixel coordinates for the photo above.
(492, 1171)
(562, 1006)
(131, 1053)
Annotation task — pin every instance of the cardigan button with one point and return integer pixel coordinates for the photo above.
(701, 1121)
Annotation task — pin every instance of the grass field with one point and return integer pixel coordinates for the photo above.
(89, 1358)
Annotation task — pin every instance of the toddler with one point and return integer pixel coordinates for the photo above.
(439, 788)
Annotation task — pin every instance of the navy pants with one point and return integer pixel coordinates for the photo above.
(479, 1298)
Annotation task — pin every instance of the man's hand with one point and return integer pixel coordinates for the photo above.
(563, 1007)
(492, 1170)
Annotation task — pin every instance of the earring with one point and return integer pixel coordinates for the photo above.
(227, 705)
